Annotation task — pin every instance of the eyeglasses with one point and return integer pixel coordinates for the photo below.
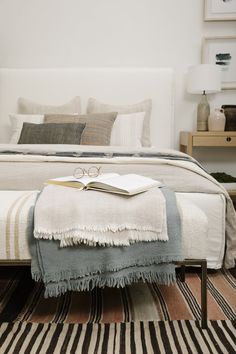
(92, 171)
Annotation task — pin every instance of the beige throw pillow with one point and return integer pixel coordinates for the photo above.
(98, 126)
(145, 106)
(26, 106)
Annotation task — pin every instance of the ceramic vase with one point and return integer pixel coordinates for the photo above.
(216, 120)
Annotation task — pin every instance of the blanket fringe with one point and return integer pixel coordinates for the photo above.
(76, 236)
(36, 276)
(54, 290)
(94, 240)
(75, 274)
(104, 228)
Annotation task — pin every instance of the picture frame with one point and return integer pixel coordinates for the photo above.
(220, 10)
(222, 51)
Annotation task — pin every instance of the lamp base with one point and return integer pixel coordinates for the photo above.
(203, 111)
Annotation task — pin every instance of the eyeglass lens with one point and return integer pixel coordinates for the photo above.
(93, 171)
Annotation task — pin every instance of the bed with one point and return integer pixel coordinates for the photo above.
(25, 168)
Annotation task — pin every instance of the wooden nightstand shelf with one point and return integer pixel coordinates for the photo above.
(189, 140)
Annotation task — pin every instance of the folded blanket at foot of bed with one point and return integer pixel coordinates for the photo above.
(91, 217)
(83, 267)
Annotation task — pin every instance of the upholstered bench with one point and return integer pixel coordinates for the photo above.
(16, 224)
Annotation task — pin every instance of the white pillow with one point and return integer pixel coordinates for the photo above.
(127, 130)
(17, 121)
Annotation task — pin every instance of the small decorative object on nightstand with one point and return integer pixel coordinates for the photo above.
(216, 120)
(203, 79)
(230, 115)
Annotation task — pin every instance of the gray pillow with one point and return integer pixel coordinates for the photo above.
(26, 106)
(95, 106)
(98, 126)
(51, 133)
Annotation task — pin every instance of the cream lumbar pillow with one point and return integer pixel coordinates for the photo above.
(95, 106)
(26, 106)
(17, 121)
(127, 130)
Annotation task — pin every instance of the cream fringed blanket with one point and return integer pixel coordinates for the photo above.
(90, 217)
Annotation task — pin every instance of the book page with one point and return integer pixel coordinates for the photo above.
(68, 181)
(130, 183)
(101, 178)
(85, 179)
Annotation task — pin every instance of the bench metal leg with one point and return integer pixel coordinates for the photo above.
(204, 293)
(203, 264)
(182, 273)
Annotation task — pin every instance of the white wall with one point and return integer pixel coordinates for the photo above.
(55, 33)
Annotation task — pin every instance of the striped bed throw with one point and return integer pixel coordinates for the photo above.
(16, 221)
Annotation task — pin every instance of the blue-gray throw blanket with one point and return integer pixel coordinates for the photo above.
(84, 267)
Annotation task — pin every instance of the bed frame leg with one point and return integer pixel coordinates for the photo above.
(204, 293)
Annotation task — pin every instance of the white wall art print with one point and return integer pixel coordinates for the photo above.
(222, 51)
(220, 10)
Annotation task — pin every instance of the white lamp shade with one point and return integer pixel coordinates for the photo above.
(204, 77)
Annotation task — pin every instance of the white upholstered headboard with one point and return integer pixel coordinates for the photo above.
(109, 85)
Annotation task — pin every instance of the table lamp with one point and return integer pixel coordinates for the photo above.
(203, 79)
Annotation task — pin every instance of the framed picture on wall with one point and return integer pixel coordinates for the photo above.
(222, 51)
(220, 10)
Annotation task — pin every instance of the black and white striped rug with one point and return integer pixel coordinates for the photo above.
(150, 337)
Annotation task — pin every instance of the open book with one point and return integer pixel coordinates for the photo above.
(109, 182)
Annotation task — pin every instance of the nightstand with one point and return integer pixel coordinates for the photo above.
(189, 140)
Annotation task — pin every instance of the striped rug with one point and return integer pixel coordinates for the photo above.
(146, 337)
(22, 300)
(142, 318)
